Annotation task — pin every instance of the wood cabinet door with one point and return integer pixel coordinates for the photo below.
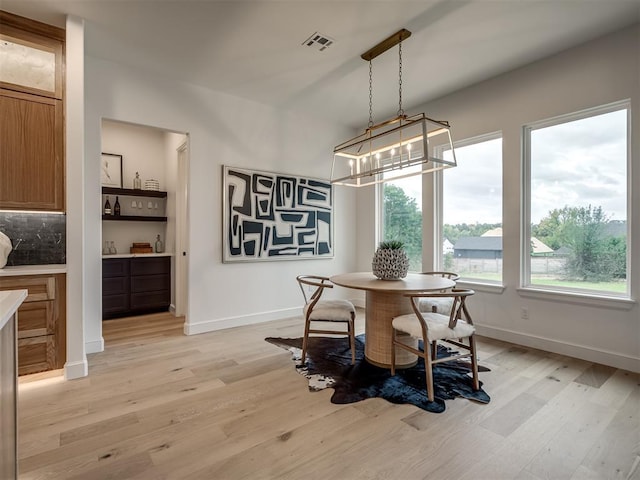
(42, 330)
(150, 300)
(115, 267)
(38, 287)
(115, 305)
(31, 152)
(33, 59)
(150, 266)
(36, 319)
(37, 354)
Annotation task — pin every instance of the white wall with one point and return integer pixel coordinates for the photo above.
(222, 130)
(76, 363)
(142, 149)
(597, 73)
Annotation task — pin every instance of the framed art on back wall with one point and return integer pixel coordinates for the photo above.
(273, 216)
(111, 170)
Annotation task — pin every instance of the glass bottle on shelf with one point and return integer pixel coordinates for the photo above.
(159, 245)
(116, 208)
(137, 183)
(107, 207)
(105, 249)
(112, 248)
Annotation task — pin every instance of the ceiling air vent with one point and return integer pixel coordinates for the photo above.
(319, 41)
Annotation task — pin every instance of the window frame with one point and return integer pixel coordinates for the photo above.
(379, 212)
(438, 257)
(526, 287)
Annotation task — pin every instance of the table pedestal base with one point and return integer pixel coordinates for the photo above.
(382, 307)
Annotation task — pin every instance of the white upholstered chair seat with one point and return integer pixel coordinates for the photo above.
(438, 326)
(327, 312)
(436, 305)
(331, 310)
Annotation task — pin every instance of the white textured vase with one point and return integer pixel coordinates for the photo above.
(5, 249)
(390, 264)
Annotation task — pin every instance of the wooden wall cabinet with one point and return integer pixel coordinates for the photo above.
(31, 152)
(133, 286)
(41, 322)
(31, 116)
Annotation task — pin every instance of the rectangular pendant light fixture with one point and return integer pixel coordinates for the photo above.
(386, 151)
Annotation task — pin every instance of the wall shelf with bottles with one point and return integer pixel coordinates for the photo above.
(129, 207)
(134, 218)
(133, 192)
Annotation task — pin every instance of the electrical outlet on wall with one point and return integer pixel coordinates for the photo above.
(524, 313)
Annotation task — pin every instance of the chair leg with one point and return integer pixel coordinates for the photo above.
(428, 367)
(434, 350)
(474, 363)
(352, 341)
(305, 339)
(393, 351)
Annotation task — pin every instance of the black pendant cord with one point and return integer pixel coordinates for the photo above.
(370, 94)
(400, 110)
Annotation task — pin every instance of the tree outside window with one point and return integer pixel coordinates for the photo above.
(578, 201)
(402, 216)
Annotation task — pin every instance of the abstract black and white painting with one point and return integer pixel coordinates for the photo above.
(273, 216)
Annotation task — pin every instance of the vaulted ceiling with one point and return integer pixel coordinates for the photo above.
(255, 49)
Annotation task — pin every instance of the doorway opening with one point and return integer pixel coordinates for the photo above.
(145, 220)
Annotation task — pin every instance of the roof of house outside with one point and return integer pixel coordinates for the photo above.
(494, 232)
(479, 243)
(494, 242)
(539, 247)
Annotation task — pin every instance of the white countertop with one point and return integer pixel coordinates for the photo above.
(10, 300)
(33, 270)
(137, 255)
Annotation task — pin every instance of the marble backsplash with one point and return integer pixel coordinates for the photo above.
(37, 238)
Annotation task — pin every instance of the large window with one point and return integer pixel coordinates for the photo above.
(402, 216)
(471, 213)
(577, 202)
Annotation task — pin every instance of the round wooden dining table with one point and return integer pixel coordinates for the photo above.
(385, 299)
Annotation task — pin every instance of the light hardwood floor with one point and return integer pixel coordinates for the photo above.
(228, 405)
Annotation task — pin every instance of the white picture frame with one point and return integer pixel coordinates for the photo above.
(111, 170)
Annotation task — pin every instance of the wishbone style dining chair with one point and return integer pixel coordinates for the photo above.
(430, 327)
(329, 312)
(438, 305)
(450, 275)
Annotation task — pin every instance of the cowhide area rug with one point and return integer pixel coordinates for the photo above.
(329, 366)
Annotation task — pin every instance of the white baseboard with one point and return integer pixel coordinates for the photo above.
(76, 369)
(241, 320)
(94, 347)
(613, 359)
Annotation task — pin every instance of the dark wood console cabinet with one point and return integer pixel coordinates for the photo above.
(133, 286)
